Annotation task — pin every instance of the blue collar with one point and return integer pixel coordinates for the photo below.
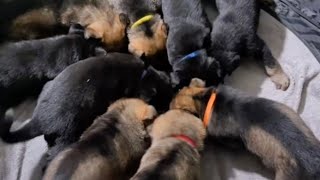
(190, 56)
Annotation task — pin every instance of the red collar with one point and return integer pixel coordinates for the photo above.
(186, 139)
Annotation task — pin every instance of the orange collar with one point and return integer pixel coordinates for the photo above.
(209, 109)
(186, 139)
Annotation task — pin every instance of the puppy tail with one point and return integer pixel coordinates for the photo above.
(27, 131)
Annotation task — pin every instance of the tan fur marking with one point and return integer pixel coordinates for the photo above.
(26, 26)
(298, 122)
(272, 152)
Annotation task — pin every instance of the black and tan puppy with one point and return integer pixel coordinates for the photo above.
(188, 34)
(110, 148)
(25, 20)
(69, 104)
(25, 66)
(177, 136)
(268, 129)
(147, 33)
(36, 24)
(100, 20)
(234, 34)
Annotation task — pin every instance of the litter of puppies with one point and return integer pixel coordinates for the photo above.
(106, 109)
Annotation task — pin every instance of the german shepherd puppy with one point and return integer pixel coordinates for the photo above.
(156, 89)
(36, 24)
(146, 38)
(234, 34)
(100, 20)
(189, 34)
(27, 65)
(110, 147)
(268, 129)
(69, 104)
(177, 136)
(25, 20)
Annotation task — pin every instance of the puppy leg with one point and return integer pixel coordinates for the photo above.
(272, 67)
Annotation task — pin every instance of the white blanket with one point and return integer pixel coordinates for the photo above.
(21, 161)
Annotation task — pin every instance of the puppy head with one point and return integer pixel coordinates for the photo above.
(156, 89)
(177, 122)
(112, 33)
(190, 98)
(196, 64)
(148, 38)
(135, 108)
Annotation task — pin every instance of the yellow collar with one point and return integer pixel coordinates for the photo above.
(142, 20)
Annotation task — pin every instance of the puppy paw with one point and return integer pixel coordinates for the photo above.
(281, 80)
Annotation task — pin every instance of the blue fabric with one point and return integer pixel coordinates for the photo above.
(302, 17)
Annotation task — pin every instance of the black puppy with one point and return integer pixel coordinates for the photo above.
(234, 34)
(268, 129)
(69, 103)
(156, 89)
(188, 34)
(25, 66)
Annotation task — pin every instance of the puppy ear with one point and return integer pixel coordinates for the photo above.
(205, 95)
(94, 30)
(196, 82)
(150, 115)
(99, 51)
(124, 19)
(76, 29)
(165, 27)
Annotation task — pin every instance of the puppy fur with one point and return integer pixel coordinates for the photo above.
(156, 89)
(69, 104)
(234, 34)
(34, 19)
(169, 157)
(189, 31)
(268, 129)
(27, 65)
(101, 22)
(149, 38)
(36, 24)
(112, 145)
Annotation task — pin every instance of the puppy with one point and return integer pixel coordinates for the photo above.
(35, 19)
(69, 104)
(187, 38)
(234, 34)
(177, 136)
(156, 89)
(101, 22)
(268, 129)
(109, 147)
(25, 66)
(36, 24)
(147, 33)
